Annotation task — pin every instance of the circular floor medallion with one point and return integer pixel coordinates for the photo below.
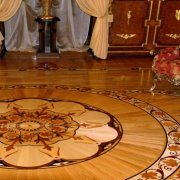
(37, 132)
(42, 133)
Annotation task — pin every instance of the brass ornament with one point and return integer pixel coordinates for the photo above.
(129, 15)
(47, 8)
(177, 15)
(126, 36)
(173, 36)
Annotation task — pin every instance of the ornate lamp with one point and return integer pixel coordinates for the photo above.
(47, 8)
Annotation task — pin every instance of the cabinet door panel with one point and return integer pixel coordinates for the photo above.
(169, 31)
(128, 28)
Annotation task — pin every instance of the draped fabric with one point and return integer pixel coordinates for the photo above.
(73, 27)
(8, 8)
(99, 39)
(1, 38)
(21, 31)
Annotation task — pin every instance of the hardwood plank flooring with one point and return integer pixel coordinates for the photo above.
(116, 87)
(73, 68)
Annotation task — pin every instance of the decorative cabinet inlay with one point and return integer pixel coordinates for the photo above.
(141, 26)
(126, 36)
(173, 36)
(177, 15)
(129, 15)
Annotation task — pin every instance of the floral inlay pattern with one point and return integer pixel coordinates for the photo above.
(35, 127)
(53, 131)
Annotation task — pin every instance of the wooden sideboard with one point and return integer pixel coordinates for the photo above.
(143, 26)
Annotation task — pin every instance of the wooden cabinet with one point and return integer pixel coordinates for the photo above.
(143, 26)
(168, 31)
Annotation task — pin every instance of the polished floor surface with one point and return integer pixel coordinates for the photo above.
(75, 117)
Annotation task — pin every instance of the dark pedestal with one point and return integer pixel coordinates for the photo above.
(47, 34)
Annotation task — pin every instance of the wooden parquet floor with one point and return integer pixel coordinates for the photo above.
(77, 68)
(73, 117)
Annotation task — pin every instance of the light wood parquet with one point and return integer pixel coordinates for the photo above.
(143, 139)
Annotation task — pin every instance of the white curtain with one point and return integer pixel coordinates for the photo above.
(73, 27)
(21, 31)
(99, 39)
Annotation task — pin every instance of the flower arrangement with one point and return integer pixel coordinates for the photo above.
(166, 65)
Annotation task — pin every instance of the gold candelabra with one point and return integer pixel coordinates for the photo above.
(47, 9)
